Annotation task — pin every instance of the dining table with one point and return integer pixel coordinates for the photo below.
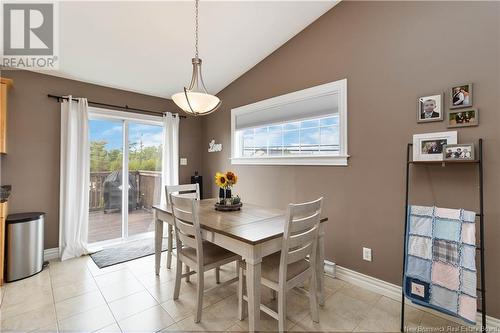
(252, 232)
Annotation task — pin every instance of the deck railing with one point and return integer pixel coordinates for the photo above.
(147, 183)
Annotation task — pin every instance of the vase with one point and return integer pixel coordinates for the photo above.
(222, 196)
(228, 195)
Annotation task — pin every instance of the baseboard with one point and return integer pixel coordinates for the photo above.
(49, 254)
(393, 291)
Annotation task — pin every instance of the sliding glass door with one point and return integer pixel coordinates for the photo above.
(144, 167)
(125, 175)
(106, 164)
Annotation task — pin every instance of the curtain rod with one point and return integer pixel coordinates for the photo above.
(125, 107)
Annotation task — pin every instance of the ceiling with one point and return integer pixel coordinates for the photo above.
(147, 47)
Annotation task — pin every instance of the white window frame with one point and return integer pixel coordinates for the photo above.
(340, 159)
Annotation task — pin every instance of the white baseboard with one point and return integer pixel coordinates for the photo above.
(394, 292)
(49, 254)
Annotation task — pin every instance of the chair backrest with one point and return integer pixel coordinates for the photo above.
(186, 191)
(186, 222)
(301, 233)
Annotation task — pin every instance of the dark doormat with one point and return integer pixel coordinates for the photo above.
(126, 252)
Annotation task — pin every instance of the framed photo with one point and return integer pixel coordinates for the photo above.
(429, 146)
(463, 118)
(461, 96)
(430, 108)
(458, 152)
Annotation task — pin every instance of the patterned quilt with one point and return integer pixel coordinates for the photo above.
(440, 269)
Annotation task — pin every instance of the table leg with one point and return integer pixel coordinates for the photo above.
(253, 293)
(158, 241)
(169, 245)
(320, 267)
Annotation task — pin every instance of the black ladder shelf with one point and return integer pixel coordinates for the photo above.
(480, 248)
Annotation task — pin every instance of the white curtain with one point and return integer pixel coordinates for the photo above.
(74, 188)
(170, 160)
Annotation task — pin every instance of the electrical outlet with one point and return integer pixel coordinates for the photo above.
(184, 161)
(367, 254)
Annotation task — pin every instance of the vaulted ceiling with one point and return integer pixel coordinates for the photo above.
(147, 47)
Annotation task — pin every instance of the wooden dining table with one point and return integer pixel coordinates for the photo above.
(252, 232)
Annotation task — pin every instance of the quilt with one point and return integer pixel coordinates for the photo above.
(440, 266)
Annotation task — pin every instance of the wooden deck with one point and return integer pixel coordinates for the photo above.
(109, 226)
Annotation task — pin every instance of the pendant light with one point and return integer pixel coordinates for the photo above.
(196, 100)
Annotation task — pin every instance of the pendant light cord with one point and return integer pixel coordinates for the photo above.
(196, 4)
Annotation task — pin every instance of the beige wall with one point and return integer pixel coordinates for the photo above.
(391, 53)
(32, 163)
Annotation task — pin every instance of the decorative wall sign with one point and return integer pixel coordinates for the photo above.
(214, 147)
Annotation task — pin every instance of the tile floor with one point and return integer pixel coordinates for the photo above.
(76, 296)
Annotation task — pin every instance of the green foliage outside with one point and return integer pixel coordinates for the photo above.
(140, 157)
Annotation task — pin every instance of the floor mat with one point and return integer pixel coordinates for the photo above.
(126, 252)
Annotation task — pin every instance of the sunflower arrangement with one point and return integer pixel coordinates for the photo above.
(225, 181)
(221, 180)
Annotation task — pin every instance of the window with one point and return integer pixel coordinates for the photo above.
(307, 127)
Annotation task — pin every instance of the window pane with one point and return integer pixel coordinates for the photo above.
(309, 140)
(330, 139)
(275, 144)
(275, 128)
(329, 121)
(309, 123)
(292, 126)
(248, 131)
(260, 141)
(291, 142)
(248, 141)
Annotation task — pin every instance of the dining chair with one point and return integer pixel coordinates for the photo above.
(294, 265)
(186, 191)
(191, 250)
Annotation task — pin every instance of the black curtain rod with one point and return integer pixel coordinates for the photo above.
(126, 107)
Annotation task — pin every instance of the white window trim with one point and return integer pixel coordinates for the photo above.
(339, 87)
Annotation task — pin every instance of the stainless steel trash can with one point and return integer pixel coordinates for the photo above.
(24, 245)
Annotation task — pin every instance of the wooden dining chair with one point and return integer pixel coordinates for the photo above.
(191, 250)
(186, 191)
(294, 265)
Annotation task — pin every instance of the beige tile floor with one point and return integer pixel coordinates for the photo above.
(77, 296)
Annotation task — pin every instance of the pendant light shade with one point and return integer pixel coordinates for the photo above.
(195, 99)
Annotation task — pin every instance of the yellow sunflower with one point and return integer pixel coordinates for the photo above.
(231, 178)
(221, 180)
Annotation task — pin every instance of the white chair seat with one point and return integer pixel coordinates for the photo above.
(211, 253)
(270, 268)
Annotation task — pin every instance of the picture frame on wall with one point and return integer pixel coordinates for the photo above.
(461, 96)
(458, 152)
(430, 108)
(463, 118)
(429, 146)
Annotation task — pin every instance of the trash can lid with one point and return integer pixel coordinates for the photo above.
(24, 217)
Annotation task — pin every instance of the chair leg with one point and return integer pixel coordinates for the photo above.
(199, 299)
(282, 310)
(241, 302)
(217, 275)
(188, 278)
(313, 298)
(178, 276)
(169, 245)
